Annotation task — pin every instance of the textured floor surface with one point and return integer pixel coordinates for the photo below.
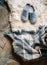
(6, 56)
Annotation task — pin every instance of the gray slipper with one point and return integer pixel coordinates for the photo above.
(25, 13)
(33, 18)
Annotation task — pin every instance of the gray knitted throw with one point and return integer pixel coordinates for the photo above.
(26, 43)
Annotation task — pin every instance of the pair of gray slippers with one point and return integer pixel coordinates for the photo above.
(29, 14)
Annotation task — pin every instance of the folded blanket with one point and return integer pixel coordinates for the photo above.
(25, 43)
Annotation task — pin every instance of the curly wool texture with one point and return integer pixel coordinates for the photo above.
(16, 8)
